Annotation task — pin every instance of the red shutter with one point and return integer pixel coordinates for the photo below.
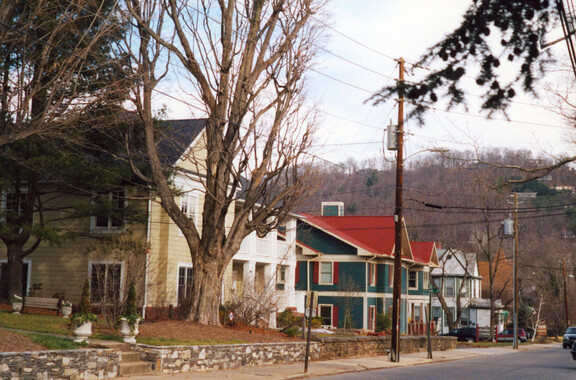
(297, 274)
(336, 273)
(315, 270)
(369, 318)
(335, 316)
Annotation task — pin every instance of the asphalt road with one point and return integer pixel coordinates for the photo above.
(555, 363)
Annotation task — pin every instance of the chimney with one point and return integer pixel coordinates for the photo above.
(332, 209)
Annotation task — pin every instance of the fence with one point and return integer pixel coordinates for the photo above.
(421, 328)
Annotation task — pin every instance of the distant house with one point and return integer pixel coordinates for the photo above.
(458, 278)
(348, 262)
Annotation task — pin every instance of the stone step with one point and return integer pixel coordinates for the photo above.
(129, 356)
(133, 368)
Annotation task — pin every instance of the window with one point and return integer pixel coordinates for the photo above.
(449, 287)
(465, 317)
(16, 202)
(280, 276)
(189, 206)
(4, 278)
(372, 319)
(326, 314)
(417, 316)
(326, 273)
(372, 273)
(185, 274)
(105, 282)
(413, 279)
(436, 313)
(425, 280)
(110, 211)
(391, 276)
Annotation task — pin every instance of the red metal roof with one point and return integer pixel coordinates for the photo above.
(374, 234)
(422, 251)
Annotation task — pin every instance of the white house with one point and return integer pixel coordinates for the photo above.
(458, 272)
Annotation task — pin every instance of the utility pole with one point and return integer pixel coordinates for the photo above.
(396, 295)
(565, 294)
(514, 269)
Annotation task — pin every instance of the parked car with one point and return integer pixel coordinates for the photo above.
(464, 334)
(508, 336)
(569, 337)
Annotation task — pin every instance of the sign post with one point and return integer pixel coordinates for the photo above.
(311, 303)
(430, 291)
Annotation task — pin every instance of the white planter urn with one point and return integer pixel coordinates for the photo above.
(66, 311)
(16, 307)
(82, 332)
(128, 332)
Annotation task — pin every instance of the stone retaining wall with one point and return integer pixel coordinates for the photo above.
(104, 363)
(177, 359)
(64, 364)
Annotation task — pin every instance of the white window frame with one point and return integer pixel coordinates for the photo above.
(416, 279)
(107, 262)
(94, 228)
(281, 271)
(190, 199)
(320, 281)
(391, 275)
(180, 266)
(28, 272)
(5, 201)
(320, 306)
(425, 280)
(372, 270)
(453, 280)
(372, 317)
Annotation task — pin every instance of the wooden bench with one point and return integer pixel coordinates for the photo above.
(42, 303)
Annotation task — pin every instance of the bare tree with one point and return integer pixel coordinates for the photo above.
(246, 62)
(349, 295)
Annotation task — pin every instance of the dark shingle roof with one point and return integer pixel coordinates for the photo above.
(176, 137)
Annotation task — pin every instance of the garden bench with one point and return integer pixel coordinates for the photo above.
(42, 303)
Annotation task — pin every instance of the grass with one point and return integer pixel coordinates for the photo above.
(54, 342)
(37, 323)
(177, 342)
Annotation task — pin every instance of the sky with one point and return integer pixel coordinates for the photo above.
(365, 38)
(399, 28)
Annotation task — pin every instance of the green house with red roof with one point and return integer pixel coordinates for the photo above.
(348, 262)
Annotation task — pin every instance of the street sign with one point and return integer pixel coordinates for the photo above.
(433, 290)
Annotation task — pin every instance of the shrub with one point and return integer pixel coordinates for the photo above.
(84, 313)
(292, 331)
(383, 322)
(287, 319)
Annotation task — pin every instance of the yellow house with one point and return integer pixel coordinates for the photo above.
(152, 251)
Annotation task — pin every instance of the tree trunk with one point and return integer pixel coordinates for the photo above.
(206, 289)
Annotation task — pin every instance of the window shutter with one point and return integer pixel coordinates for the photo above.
(315, 270)
(297, 274)
(369, 318)
(336, 273)
(335, 316)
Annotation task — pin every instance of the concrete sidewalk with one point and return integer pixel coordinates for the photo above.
(330, 367)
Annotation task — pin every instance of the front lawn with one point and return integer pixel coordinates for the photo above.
(33, 322)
